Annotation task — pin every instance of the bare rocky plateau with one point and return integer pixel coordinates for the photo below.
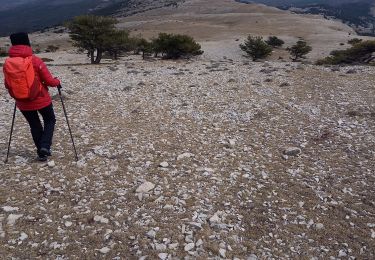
(210, 158)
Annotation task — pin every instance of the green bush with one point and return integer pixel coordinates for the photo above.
(174, 46)
(299, 50)
(354, 41)
(357, 54)
(92, 33)
(117, 42)
(145, 47)
(256, 48)
(274, 41)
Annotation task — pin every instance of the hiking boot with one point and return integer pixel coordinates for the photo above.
(42, 158)
(44, 152)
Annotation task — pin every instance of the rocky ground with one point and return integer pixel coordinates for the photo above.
(202, 159)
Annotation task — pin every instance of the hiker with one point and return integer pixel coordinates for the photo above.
(35, 99)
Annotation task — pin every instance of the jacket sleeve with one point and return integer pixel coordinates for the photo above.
(45, 76)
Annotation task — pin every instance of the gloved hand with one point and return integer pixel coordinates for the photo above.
(59, 86)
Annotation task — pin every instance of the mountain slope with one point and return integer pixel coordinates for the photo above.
(39, 14)
(358, 13)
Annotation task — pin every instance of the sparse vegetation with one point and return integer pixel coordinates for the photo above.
(274, 41)
(145, 47)
(256, 48)
(299, 50)
(359, 53)
(116, 42)
(174, 46)
(354, 41)
(52, 48)
(93, 34)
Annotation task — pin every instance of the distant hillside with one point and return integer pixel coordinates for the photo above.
(39, 14)
(357, 13)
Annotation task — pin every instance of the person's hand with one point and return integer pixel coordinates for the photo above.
(59, 86)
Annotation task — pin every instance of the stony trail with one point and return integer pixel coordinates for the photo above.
(198, 159)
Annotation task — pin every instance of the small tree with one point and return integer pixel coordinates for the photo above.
(145, 47)
(274, 41)
(256, 48)
(116, 42)
(91, 33)
(299, 50)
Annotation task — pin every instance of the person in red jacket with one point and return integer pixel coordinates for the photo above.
(42, 104)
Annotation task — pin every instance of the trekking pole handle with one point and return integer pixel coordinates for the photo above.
(59, 87)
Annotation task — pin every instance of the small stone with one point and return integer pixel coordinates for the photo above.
(101, 219)
(184, 155)
(51, 164)
(173, 246)
(10, 209)
(164, 164)
(222, 252)
(12, 218)
(292, 151)
(196, 225)
(104, 250)
(231, 142)
(252, 257)
(145, 187)
(163, 256)
(23, 236)
(199, 243)
(160, 247)
(151, 234)
(214, 219)
(68, 223)
(319, 226)
(342, 253)
(189, 247)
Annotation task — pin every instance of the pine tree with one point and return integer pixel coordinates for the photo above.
(299, 50)
(256, 48)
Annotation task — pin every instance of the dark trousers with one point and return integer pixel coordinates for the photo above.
(42, 136)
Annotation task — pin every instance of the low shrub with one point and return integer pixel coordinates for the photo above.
(354, 41)
(274, 41)
(174, 46)
(359, 53)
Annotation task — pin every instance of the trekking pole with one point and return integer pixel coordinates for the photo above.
(11, 132)
(67, 121)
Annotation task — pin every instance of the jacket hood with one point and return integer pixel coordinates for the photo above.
(20, 51)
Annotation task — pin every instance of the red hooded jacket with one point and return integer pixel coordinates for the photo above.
(43, 74)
